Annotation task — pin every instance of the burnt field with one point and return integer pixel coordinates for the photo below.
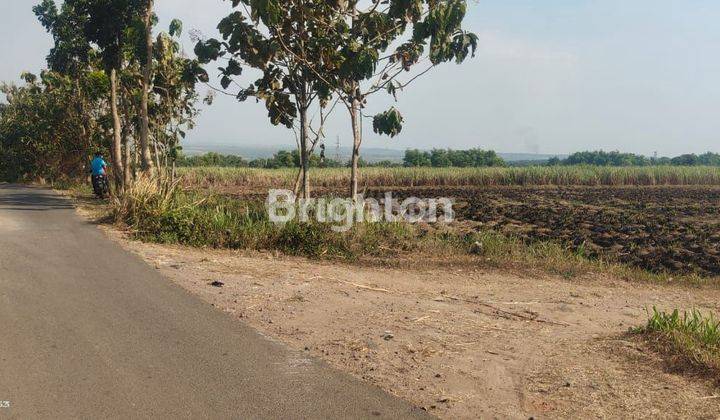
(661, 229)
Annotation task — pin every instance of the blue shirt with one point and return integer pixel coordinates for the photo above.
(98, 166)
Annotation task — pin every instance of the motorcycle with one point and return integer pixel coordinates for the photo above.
(101, 186)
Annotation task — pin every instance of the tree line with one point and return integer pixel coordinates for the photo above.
(615, 158)
(443, 158)
(438, 158)
(281, 159)
(110, 85)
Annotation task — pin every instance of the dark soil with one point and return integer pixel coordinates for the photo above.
(661, 229)
(671, 229)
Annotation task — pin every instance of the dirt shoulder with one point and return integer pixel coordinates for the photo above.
(463, 343)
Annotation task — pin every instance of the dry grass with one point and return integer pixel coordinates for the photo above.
(438, 177)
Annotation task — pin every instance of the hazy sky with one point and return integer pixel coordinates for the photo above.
(551, 76)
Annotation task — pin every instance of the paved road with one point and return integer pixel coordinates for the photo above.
(88, 330)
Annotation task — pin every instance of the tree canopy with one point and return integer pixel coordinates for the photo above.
(100, 72)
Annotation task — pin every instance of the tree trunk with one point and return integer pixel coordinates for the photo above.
(298, 180)
(355, 119)
(81, 113)
(157, 154)
(127, 175)
(145, 156)
(357, 141)
(135, 160)
(304, 156)
(117, 163)
(84, 127)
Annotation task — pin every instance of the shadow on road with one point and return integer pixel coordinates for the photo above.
(17, 198)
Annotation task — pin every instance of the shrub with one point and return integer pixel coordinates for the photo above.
(691, 339)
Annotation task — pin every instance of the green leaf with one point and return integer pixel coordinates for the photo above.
(176, 27)
(207, 51)
(388, 123)
(233, 68)
(225, 82)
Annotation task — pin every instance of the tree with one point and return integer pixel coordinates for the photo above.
(105, 23)
(75, 104)
(416, 158)
(71, 55)
(363, 38)
(145, 157)
(442, 158)
(602, 158)
(174, 96)
(40, 135)
(278, 39)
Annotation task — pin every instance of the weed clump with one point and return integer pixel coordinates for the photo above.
(690, 339)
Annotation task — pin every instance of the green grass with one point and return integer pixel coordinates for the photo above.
(438, 177)
(691, 339)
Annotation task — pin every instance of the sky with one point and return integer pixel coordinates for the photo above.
(551, 76)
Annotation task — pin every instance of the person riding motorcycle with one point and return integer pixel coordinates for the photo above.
(99, 175)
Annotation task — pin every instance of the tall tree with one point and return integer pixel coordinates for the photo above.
(276, 38)
(437, 36)
(71, 54)
(173, 109)
(105, 23)
(145, 156)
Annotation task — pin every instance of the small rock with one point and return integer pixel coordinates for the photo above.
(217, 283)
(477, 248)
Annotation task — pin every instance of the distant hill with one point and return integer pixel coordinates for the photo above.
(370, 154)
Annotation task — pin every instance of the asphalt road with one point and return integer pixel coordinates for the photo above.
(88, 330)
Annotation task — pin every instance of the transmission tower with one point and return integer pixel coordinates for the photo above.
(338, 158)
